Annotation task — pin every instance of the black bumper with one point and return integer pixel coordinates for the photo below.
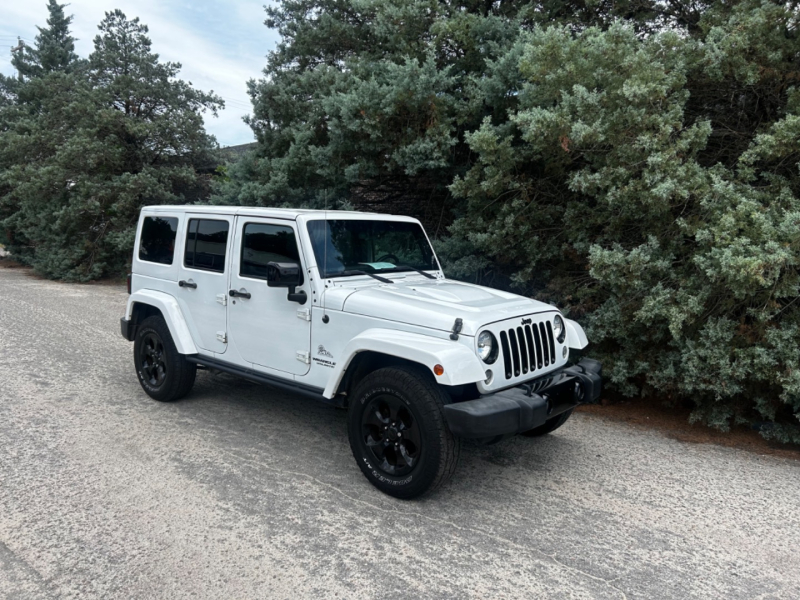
(492, 417)
(126, 328)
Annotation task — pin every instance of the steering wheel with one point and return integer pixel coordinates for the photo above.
(385, 257)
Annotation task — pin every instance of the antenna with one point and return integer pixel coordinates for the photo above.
(325, 255)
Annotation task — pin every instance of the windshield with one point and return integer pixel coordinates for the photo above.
(343, 246)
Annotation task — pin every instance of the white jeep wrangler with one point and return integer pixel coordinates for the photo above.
(353, 309)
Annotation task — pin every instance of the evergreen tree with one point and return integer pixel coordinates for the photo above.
(54, 49)
(637, 160)
(84, 151)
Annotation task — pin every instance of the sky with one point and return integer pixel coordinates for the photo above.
(220, 44)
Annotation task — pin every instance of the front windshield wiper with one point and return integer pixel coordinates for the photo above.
(355, 272)
(420, 271)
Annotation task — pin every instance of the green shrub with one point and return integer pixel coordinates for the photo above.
(634, 161)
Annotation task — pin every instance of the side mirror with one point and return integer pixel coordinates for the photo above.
(288, 275)
(283, 274)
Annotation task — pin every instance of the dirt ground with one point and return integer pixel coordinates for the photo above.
(674, 423)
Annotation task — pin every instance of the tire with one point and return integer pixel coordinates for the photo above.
(164, 373)
(415, 452)
(549, 426)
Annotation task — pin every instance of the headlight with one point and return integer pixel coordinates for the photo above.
(559, 330)
(487, 347)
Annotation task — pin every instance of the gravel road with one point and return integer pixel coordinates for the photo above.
(242, 491)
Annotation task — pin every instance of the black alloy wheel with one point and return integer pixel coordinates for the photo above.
(163, 372)
(391, 435)
(398, 433)
(152, 360)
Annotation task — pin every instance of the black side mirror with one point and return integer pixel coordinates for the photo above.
(283, 274)
(288, 275)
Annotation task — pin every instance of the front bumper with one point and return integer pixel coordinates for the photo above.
(492, 417)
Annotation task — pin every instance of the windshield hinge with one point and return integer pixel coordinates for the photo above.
(222, 337)
(304, 357)
(456, 329)
(304, 313)
(222, 299)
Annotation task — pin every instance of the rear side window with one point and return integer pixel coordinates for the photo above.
(206, 243)
(264, 244)
(157, 243)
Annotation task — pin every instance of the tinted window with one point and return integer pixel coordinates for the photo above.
(341, 246)
(206, 242)
(158, 239)
(264, 244)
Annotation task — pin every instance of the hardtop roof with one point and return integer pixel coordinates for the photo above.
(259, 211)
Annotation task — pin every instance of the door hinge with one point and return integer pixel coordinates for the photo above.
(222, 337)
(304, 313)
(304, 357)
(222, 299)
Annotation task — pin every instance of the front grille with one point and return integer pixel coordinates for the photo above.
(527, 348)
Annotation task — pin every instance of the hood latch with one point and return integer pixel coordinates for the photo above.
(456, 329)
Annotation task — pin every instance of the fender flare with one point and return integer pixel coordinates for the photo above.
(461, 365)
(171, 311)
(576, 337)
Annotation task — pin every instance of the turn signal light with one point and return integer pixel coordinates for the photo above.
(438, 369)
(129, 283)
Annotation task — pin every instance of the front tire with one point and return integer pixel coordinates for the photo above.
(163, 372)
(398, 433)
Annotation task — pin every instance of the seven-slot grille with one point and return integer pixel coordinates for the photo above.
(527, 348)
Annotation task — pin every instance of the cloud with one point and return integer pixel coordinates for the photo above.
(220, 45)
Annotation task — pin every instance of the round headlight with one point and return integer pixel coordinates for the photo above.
(487, 347)
(558, 329)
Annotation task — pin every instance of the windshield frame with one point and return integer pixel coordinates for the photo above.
(347, 272)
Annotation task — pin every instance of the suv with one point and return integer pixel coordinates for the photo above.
(353, 309)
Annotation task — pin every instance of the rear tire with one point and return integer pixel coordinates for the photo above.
(398, 433)
(549, 426)
(163, 372)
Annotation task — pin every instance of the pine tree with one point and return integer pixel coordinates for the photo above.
(87, 148)
(54, 49)
(638, 160)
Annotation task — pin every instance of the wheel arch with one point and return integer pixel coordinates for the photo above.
(378, 348)
(146, 303)
(576, 337)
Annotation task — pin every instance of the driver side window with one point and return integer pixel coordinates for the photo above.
(263, 243)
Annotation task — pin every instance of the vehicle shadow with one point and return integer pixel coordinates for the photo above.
(311, 437)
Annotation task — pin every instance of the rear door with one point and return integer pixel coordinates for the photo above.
(203, 280)
(266, 328)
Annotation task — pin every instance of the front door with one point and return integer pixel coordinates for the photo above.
(266, 328)
(202, 279)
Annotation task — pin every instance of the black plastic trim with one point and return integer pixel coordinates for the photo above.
(506, 353)
(552, 345)
(252, 375)
(523, 350)
(538, 341)
(492, 417)
(126, 328)
(545, 353)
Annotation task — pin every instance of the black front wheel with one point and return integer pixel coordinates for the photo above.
(398, 433)
(164, 373)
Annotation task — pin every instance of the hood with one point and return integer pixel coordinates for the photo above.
(436, 304)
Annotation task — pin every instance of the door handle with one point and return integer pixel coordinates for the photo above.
(238, 294)
(187, 284)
